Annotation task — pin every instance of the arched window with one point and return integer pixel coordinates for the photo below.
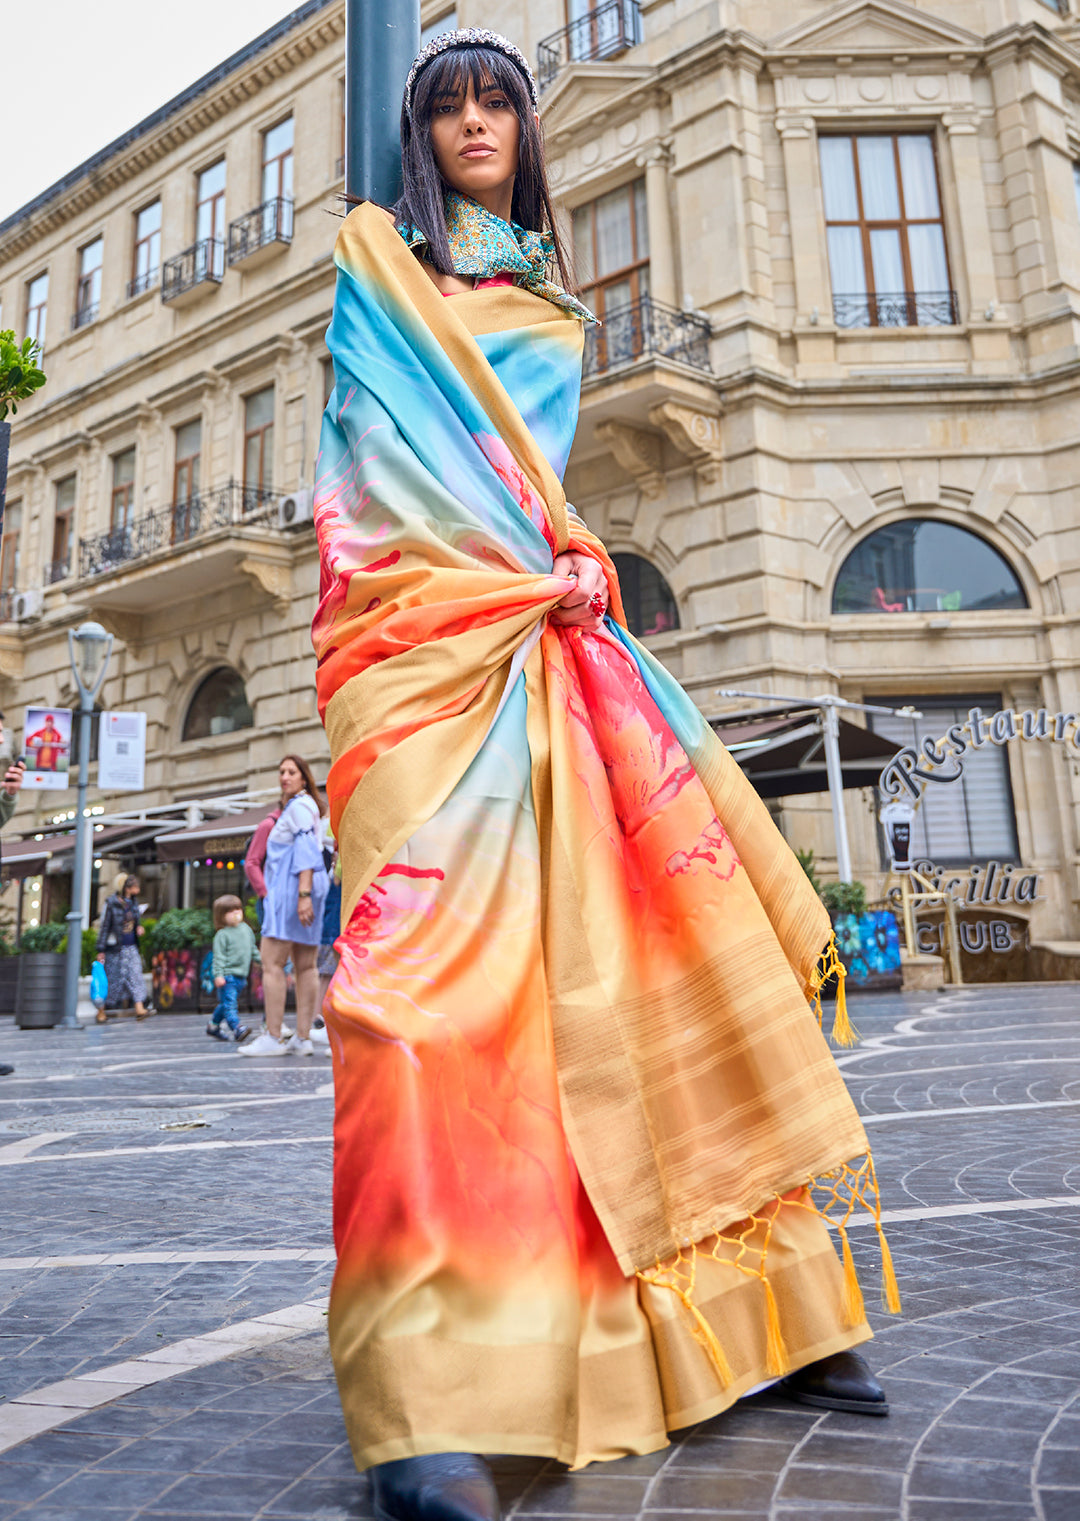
(650, 606)
(923, 566)
(219, 706)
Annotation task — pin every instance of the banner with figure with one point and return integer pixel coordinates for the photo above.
(47, 747)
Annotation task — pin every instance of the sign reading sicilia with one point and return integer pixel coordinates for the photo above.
(904, 781)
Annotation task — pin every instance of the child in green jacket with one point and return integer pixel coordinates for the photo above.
(234, 951)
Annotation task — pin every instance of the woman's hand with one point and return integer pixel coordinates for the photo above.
(305, 910)
(139, 930)
(585, 605)
(101, 957)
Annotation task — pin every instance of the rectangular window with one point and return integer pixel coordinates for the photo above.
(277, 180)
(210, 216)
(186, 470)
(88, 289)
(611, 251)
(37, 300)
(123, 490)
(884, 230)
(63, 542)
(258, 446)
(147, 259)
(971, 819)
(9, 551)
(602, 28)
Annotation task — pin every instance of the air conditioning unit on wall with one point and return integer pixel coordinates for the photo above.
(27, 605)
(295, 509)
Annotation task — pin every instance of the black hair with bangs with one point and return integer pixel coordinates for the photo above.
(421, 202)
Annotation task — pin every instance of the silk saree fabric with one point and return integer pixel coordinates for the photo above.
(581, 1100)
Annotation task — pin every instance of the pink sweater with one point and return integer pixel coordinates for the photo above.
(256, 853)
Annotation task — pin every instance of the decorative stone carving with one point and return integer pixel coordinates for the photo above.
(636, 451)
(694, 433)
(127, 627)
(272, 577)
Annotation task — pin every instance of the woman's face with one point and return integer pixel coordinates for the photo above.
(475, 141)
(290, 778)
(132, 889)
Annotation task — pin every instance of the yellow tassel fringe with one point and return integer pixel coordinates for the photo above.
(854, 1308)
(830, 965)
(777, 1361)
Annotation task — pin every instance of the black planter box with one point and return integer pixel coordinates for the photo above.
(9, 983)
(39, 998)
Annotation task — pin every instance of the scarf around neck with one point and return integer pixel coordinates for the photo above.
(482, 244)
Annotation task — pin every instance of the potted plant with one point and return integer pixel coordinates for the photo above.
(20, 377)
(39, 996)
(868, 940)
(175, 947)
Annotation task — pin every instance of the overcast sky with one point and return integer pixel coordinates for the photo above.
(78, 73)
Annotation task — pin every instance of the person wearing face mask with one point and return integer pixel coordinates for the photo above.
(582, 1104)
(296, 888)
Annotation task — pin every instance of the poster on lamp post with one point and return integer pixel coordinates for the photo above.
(122, 752)
(47, 747)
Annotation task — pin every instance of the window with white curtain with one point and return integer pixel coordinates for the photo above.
(968, 820)
(885, 234)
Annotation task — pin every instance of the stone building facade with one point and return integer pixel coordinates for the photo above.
(831, 426)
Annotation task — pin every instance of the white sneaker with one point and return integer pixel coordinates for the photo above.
(297, 1047)
(286, 1033)
(262, 1045)
(320, 1035)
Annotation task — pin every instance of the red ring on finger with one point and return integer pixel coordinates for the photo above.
(596, 605)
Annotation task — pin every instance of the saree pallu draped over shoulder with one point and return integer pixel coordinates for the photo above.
(588, 1131)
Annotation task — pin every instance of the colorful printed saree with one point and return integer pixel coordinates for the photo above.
(580, 1095)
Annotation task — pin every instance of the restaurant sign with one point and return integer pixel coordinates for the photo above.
(938, 760)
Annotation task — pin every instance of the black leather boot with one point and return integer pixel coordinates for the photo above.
(441, 1486)
(840, 1382)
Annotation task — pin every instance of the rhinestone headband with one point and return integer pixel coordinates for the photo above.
(469, 37)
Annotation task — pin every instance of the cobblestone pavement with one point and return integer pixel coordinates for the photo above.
(166, 1207)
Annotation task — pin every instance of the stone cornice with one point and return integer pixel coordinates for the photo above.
(323, 29)
(1057, 53)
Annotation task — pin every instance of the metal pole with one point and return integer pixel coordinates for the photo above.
(382, 37)
(82, 825)
(835, 775)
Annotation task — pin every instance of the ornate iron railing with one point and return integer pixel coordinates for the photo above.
(609, 28)
(647, 327)
(57, 570)
(177, 524)
(272, 222)
(202, 261)
(84, 314)
(146, 281)
(904, 308)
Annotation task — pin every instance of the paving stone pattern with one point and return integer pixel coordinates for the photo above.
(973, 1103)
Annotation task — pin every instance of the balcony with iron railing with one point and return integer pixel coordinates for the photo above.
(194, 273)
(57, 570)
(84, 315)
(905, 308)
(261, 233)
(144, 281)
(191, 547)
(647, 328)
(606, 31)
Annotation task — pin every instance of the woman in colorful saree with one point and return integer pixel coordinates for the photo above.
(588, 1132)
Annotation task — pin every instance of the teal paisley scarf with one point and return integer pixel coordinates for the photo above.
(483, 244)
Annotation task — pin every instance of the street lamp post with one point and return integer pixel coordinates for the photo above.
(382, 37)
(89, 648)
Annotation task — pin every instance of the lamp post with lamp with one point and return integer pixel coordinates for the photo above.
(89, 648)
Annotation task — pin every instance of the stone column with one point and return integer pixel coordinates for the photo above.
(813, 302)
(979, 305)
(662, 284)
